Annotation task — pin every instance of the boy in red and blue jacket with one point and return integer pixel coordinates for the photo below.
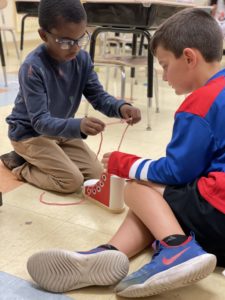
(176, 202)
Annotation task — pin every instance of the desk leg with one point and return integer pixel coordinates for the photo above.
(132, 71)
(22, 29)
(3, 61)
(22, 32)
(150, 80)
(135, 31)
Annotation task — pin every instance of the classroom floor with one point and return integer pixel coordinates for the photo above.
(27, 225)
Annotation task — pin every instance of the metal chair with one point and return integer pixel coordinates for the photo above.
(132, 61)
(121, 60)
(4, 28)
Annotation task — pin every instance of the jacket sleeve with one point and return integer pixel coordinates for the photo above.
(187, 155)
(98, 98)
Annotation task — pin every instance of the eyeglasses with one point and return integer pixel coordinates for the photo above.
(66, 44)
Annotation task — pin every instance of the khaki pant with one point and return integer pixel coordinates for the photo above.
(56, 164)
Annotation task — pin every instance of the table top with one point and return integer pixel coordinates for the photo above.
(27, 1)
(187, 3)
(144, 2)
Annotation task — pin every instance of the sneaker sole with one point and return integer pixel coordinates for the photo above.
(62, 271)
(184, 274)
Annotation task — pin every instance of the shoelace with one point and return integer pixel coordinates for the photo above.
(41, 199)
(58, 203)
(121, 121)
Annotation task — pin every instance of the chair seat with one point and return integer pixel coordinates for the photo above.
(125, 61)
(119, 40)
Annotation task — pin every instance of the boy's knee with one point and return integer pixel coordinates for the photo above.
(133, 188)
(71, 184)
(128, 191)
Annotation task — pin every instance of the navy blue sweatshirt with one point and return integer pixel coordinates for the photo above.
(50, 94)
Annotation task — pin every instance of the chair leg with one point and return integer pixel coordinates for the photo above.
(156, 90)
(132, 82)
(117, 53)
(115, 85)
(5, 42)
(149, 104)
(2, 56)
(107, 78)
(123, 82)
(15, 43)
(115, 73)
(5, 76)
(16, 46)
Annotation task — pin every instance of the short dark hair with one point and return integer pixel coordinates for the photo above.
(190, 28)
(51, 13)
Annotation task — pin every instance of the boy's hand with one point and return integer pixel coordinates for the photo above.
(91, 126)
(131, 113)
(105, 160)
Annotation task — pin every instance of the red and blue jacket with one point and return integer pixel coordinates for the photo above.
(196, 150)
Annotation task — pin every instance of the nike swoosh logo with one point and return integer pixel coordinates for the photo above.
(169, 261)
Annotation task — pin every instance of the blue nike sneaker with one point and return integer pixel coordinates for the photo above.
(171, 267)
(59, 271)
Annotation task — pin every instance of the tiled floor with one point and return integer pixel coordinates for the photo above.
(27, 225)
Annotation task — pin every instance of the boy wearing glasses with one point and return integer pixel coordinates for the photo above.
(47, 137)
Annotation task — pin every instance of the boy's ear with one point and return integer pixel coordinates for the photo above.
(190, 56)
(42, 34)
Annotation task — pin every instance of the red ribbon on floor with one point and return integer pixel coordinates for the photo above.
(58, 203)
